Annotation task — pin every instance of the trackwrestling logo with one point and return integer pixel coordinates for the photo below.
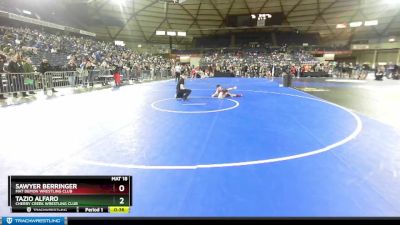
(33, 220)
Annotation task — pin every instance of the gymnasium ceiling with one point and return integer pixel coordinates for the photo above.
(137, 20)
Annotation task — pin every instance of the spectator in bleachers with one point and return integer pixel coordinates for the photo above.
(28, 69)
(3, 60)
(16, 79)
(117, 76)
(45, 67)
(83, 72)
(27, 65)
(15, 64)
(293, 70)
(104, 71)
(379, 72)
(71, 66)
(90, 66)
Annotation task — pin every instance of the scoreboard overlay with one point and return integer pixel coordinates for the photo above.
(70, 194)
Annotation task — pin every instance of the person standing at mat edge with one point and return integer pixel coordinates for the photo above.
(178, 71)
(181, 91)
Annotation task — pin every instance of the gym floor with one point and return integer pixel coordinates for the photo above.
(320, 149)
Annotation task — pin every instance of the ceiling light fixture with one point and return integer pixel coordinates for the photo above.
(171, 33)
(341, 26)
(356, 24)
(27, 12)
(371, 23)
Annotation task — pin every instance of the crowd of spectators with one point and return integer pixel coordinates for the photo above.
(361, 71)
(259, 62)
(390, 71)
(267, 61)
(32, 43)
(25, 50)
(28, 50)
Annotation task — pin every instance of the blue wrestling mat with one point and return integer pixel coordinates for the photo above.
(273, 152)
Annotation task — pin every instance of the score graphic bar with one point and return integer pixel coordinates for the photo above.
(70, 194)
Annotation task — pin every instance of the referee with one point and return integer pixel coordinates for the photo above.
(181, 91)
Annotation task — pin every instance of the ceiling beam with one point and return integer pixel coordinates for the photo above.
(391, 22)
(283, 12)
(133, 16)
(197, 16)
(215, 8)
(190, 14)
(194, 21)
(352, 31)
(141, 29)
(223, 22)
(323, 19)
(170, 27)
(247, 6)
(327, 11)
(320, 13)
(267, 27)
(168, 23)
(97, 9)
(294, 7)
(372, 27)
(332, 32)
(263, 5)
(158, 27)
(162, 22)
(180, 41)
(351, 19)
(138, 24)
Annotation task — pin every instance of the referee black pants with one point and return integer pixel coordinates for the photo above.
(184, 93)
